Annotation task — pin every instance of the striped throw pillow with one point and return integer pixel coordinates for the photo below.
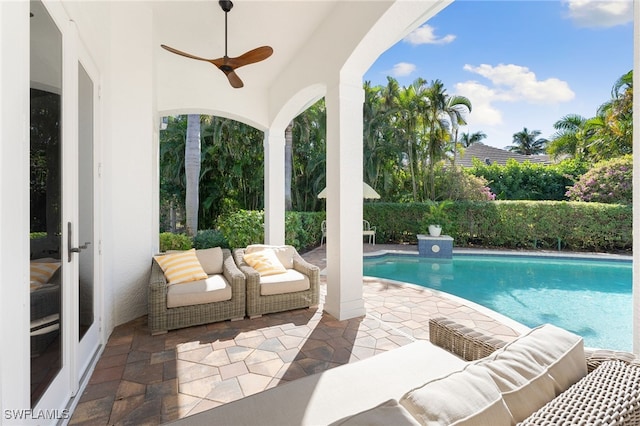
(42, 272)
(181, 267)
(265, 262)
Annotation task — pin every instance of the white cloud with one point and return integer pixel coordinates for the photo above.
(403, 69)
(517, 83)
(426, 35)
(481, 97)
(599, 13)
(509, 83)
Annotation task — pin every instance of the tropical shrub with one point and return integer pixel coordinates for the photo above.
(169, 241)
(609, 181)
(458, 184)
(244, 227)
(437, 214)
(209, 238)
(529, 181)
(302, 229)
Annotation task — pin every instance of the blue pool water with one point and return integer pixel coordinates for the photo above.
(592, 298)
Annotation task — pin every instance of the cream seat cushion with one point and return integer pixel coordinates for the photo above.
(288, 282)
(467, 397)
(213, 289)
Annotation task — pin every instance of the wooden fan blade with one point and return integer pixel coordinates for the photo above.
(185, 54)
(234, 80)
(256, 55)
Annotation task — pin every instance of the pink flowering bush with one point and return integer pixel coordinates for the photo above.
(486, 192)
(607, 182)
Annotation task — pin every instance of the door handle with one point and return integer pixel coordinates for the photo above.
(69, 243)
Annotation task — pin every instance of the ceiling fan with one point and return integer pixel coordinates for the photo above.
(226, 64)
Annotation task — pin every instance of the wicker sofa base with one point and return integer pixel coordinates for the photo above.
(610, 395)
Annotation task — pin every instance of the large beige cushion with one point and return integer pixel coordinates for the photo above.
(561, 351)
(533, 369)
(284, 253)
(211, 260)
(288, 282)
(388, 413)
(212, 289)
(525, 385)
(181, 267)
(467, 397)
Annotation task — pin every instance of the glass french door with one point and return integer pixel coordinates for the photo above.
(64, 259)
(88, 325)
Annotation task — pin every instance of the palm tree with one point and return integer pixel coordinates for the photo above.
(409, 105)
(610, 133)
(466, 139)
(528, 143)
(568, 137)
(437, 106)
(456, 107)
(192, 173)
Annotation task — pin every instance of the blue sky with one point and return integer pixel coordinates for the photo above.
(521, 63)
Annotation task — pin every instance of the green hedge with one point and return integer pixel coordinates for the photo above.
(244, 227)
(575, 226)
(513, 224)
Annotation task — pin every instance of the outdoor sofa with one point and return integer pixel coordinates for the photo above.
(544, 377)
(217, 295)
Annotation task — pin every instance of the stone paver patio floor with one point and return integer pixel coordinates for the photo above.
(143, 379)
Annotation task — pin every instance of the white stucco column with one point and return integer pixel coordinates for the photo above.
(274, 187)
(344, 103)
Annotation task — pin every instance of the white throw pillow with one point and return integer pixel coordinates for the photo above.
(211, 260)
(468, 397)
(535, 368)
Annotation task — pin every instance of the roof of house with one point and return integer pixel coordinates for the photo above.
(490, 155)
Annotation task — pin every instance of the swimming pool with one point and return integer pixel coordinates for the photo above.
(592, 298)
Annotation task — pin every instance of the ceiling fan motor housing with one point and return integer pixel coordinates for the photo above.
(226, 5)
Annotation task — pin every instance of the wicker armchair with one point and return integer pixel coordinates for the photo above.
(259, 304)
(162, 318)
(608, 395)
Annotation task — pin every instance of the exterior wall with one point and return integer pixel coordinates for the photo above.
(130, 238)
